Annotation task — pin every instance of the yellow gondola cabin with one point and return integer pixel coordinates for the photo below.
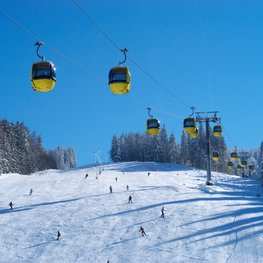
(119, 80)
(239, 167)
(215, 156)
(190, 125)
(244, 164)
(230, 165)
(43, 76)
(217, 130)
(234, 156)
(153, 126)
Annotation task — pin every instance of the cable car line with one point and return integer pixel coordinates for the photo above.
(131, 96)
(229, 138)
(70, 61)
(96, 25)
(132, 60)
(19, 25)
(158, 83)
(117, 47)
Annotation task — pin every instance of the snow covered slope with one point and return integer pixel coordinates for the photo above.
(219, 223)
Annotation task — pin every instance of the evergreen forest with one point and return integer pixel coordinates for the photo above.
(22, 151)
(164, 148)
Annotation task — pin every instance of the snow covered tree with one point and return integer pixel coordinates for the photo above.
(184, 149)
(22, 152)
(218, 144)
(115, 149)
(23, 157)
(163, 146)
(173, 150)
(5, 147)
(260, 161)
(64, 158)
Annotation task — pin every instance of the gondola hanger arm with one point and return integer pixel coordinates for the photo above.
(124, 50)
(149, 109)
(38, 44)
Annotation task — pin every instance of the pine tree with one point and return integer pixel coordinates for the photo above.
(114, 151)
(260, 161)
(184, 149)
(64, 158)
(162, 146)
(173, 150)
(5, 147)
(218, 144)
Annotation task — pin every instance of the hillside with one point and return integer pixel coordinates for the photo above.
(220, 223)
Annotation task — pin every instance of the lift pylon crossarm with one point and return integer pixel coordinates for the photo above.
(210, 119)
(213, 118)
(207, 112)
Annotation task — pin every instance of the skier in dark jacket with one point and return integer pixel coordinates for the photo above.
(110, 189)
(142, 231)
(86, 176)
(11, 205)
(130, 199)
(58, 235)
(162, 211)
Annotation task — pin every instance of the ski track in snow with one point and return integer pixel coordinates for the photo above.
(219, 223)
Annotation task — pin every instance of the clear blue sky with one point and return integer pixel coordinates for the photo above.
(207, 53)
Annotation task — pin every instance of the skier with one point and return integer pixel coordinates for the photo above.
(127, 188)
(116, 179)
(11, 205)
(162, 211)
(149, 173)
(31, 191)
(86, 176)
(58, 235)
(142, 231)
(130, 199)
(110, 189)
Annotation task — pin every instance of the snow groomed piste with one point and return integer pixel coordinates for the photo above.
(219, 223)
